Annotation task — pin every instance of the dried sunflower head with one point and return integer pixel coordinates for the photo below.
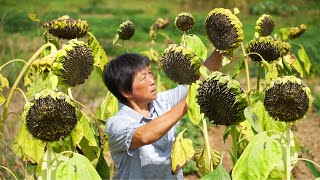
(126, 30)
(221, 99)
(51, 116)
(224, 29)
(184, 22)
(297, 31)
(74, 63)
(180, 64)
(267, 47)
(286, 47)
(287, 99)
(265, 25)
(162, 23)
(67, 28)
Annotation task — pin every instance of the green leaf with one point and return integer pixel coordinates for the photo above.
(2, 99)
(197, 46)
(103, 168)
(77, 134)
(115, 39)
(297, 66)
(258, 159)
(202, 159)
(78, 167)
(305, 59)
(266, 121)
(284, 33)
(3, 82)
(182, 152)
(226, 133)
(33, 17)
(100, 57)
(52, 158)
(88, 143)
(43, 81)
(108, 106)
(194, 113)
(271, 71)
(218, 174)
(252, 118)
(26, 147)
(238, 68)
(313, 169)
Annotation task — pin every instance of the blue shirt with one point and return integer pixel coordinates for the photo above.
(151, 161)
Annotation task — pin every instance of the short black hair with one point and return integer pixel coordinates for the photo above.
(118, 73)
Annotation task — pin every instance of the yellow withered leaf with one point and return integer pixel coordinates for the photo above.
(182, 152)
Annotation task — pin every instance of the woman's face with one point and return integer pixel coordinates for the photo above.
(144, 88)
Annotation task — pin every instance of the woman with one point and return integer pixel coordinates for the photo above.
(141, 134)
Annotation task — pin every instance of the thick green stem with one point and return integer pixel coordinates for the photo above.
(259, 76)
(206, 138)
(48, 157)
(25, 67)
(234, 144)
(14, 60)
(288, 164)
(245, 56)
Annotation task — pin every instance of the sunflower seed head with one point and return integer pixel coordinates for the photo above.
(184, 22)
(221, 99)
(224, 29)
(296, 32)
(74, 63)
(67, 28)
(126, 30)
(287, 99)
(180, 64)
(265, 25)
(51, 116)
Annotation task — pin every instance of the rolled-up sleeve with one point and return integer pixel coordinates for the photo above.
(120, 133)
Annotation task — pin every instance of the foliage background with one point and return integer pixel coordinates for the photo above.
(20, 38)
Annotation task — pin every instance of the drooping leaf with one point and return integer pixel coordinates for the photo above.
(226, 133)
(258, 159)
(266, 121)
(252, 118)
(88, 143)
(41, 82)
(279, 171)
(193, 107)
(297, 66)
(305, 59)
(108, 106)
(50, 161)
(33, 17)
(103, 168)
(270, 70)
(78, 167)
(100, 57)
(3, 82)
(203, 161)
(115, 39)
(313, 169)
(182, 152)
(2, 99)
(218, 174)
(26, 147)
(197, 46)
(238, 68)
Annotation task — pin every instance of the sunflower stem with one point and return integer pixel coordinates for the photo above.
(48, 157)
(288, 164)
(9, 172)
(259, 76)
(304, 159)
(25, 67)
(24, 96)
(234, 144)
(247, 72)
(9, 62)
(206, 138)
